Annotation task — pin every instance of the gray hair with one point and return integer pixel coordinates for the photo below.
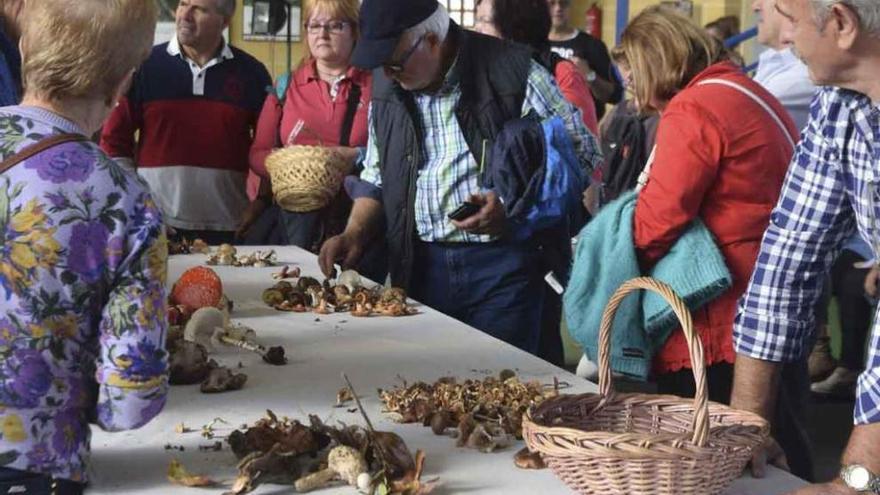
(226, 7)
(867, 10)
(437, 23)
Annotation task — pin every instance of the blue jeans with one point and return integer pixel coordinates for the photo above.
(302, 229)
(494, 287)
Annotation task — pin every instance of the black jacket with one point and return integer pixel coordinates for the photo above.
(492, 75)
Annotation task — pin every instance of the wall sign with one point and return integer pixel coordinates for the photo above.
(259, 17)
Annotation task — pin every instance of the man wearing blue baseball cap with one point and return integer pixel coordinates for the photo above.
(440, 97)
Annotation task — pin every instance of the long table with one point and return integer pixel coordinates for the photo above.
(375, 352)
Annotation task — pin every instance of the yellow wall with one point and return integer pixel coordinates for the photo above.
(274, 54)
(705, 11)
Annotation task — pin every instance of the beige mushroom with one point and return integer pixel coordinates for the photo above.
(202, 324)
(227, 249)
(343, 463)
(350, 279)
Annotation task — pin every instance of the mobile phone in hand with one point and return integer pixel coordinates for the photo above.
(464, 210)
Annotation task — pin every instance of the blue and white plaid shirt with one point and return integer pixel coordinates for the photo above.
(450, 172)
(830, 190)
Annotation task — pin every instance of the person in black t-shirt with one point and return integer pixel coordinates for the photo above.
(588, 53)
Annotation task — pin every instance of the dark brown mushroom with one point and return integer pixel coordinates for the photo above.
(222, 379)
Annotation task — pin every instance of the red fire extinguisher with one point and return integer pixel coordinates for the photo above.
(593, 19)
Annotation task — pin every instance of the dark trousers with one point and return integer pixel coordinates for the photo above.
(13, 481)
(847, 284)
(555, 246)
(211, 237)
(267, 229)
(277, 227)
(788, 424)
(550, 347)
(302, 229)
(494, 287)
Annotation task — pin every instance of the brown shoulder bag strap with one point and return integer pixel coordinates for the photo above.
(39, 147)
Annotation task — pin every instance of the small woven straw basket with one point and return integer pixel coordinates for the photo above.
(305, 178)
(629, 444)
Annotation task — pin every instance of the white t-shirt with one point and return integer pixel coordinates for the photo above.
(788, 79)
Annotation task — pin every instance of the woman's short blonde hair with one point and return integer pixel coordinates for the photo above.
(83, 48)
(346, 10)
(664, 51)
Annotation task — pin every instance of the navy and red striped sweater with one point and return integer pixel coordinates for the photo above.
(194, 127)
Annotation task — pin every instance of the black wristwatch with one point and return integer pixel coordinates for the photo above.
(860, 479)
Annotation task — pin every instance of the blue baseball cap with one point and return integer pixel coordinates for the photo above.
(382, 23)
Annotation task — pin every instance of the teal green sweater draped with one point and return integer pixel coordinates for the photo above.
(605, 258)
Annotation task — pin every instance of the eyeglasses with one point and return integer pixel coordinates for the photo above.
(397, 67)
(334, 27)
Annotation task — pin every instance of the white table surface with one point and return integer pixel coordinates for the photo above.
(373, 352)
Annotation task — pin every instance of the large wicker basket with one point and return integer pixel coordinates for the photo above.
(305, 178)
(629, 444)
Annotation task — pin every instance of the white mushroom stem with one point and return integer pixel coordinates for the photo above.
(343, 463)
(225, 338)
(240, 332)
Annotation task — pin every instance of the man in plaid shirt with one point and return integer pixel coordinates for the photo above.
(441, 97)
(831, 190)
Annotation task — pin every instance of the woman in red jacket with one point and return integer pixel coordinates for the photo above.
(319, 93)
(722, 150)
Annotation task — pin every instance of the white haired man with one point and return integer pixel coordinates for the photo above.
(195, 102)
(830, 190)
(779, 69)
(441, 95)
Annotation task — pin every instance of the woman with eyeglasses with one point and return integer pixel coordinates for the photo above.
(311, 109)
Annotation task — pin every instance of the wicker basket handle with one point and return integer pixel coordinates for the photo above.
(700, 425)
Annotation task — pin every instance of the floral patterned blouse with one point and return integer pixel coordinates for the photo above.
(83, 261)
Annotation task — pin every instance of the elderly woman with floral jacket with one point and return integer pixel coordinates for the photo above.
(82, 251)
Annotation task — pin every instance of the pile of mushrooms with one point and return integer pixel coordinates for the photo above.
(348, 294)
(189, 363)
(227, 255)
(485, 415)
(315, 456)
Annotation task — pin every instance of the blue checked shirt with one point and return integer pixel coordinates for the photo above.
(830, 190)
(450, 172)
